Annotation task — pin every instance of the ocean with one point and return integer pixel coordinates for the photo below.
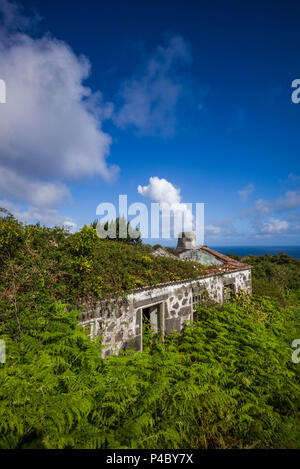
(293, 251)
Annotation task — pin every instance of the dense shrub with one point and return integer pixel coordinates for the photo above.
(273, 275)
(40, 265)
(227, 381)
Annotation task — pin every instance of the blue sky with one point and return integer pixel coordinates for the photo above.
(195, 93)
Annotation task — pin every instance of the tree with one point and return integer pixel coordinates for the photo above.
(118, 230)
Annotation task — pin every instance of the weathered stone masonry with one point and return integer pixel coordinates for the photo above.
(167, 306)
(170, 305)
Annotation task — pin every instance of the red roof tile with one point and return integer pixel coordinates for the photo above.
(228, 262)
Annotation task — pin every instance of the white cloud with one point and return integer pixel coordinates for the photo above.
(50, 127)
(274, 226)
(262, 207)
(44, 215)
(212, 230)
(37, 193)
(160, 190)
(149, 102)
(70, 225)
(290, 201)
(264, 214)
(169, 198)
(244, 193)
(224, 227)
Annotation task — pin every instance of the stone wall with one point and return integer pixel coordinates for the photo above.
(119, 322)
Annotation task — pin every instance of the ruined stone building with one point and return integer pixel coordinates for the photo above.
(167, 306)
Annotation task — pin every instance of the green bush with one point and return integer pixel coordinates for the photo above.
(228, 381)
(43, 265)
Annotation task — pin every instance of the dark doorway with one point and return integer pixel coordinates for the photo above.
(151, 317)
(152, 321)
(228, 293)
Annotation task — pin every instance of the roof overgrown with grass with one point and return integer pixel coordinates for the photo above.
(42, 262)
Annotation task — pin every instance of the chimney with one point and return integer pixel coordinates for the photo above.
(186, 242)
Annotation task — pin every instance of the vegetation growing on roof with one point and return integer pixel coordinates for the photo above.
(41, 265)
